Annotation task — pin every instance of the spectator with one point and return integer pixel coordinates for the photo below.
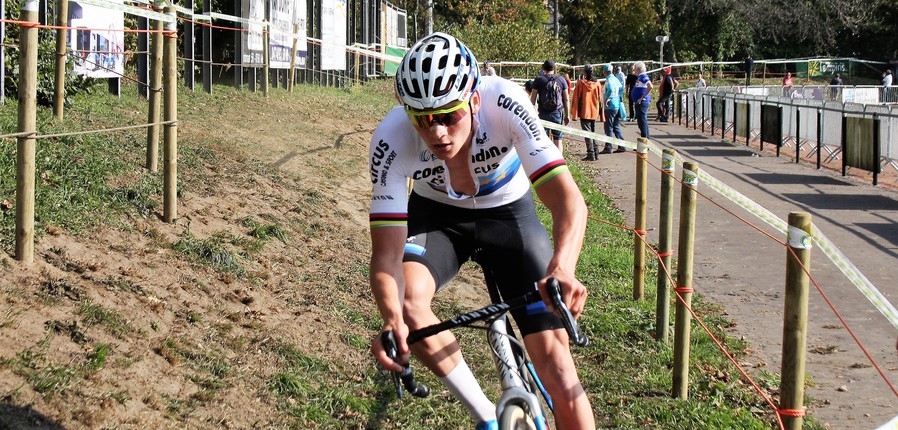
(488, 69)
(700, 83)
(550, 96)
(894, 63)
(787, 85)
(641, 95)
(835, 82)
(528, 86)
(567, 80)
(623, 81)
(668, 86)
(628, 87)
(585, 107)
(613, 107)
(749, 67)
(886, 83)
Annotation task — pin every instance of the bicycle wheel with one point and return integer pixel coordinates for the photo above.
(514, 417)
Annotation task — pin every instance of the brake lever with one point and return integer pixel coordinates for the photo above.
(388, 340)
(570, 324)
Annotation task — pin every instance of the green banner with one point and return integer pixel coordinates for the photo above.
(828, 67)
(389, 66)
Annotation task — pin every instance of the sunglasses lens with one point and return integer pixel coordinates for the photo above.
(446, 119)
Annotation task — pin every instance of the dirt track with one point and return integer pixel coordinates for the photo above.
(744, 271)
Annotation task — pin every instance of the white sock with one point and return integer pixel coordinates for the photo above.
(462, 384)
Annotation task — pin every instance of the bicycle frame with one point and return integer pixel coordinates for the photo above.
(515, 389)
(512, 365)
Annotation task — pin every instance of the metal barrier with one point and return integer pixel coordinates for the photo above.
(812, 114)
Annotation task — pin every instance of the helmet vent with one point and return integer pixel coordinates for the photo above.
(426, 64)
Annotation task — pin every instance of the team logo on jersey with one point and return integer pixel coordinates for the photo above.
(528, 122)
(482, 140)
(426, 156)
(381, 159)
(488, 153)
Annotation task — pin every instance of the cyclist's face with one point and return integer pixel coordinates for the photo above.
(449, 133)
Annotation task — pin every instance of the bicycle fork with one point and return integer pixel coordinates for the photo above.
(515, 390)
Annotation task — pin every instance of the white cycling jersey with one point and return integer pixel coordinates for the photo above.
(509, 151)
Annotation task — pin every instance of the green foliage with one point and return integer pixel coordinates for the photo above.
(601, 31)
(46, 64)
(475, 12)
(511, 41)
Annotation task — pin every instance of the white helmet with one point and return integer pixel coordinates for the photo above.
(436, 71)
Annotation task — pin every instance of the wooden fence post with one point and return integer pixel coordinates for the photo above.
(665, 239)
(25, 150)
(293, 60)
(795, 320)
(170, 150)
(154, 96)
(639, 228)
(265, 59)
(62, 15)
(683, 323)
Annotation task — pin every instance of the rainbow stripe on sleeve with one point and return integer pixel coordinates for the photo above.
(547, 172)
(388, 220)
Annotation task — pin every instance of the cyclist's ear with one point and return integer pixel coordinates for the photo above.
(475, 102)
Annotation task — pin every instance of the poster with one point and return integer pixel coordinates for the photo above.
(251, 39)
(287, 15)
(333, 35)
(97, 40)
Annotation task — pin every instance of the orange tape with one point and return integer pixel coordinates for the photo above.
(684, 290)
(792, 412)
(665, 254)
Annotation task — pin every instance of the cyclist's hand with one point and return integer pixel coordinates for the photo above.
(573, 293)
(380, 354)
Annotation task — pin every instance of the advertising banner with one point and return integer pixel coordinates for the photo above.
(333, 35)
(97, 40)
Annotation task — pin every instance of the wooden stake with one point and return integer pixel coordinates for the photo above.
(62, 15)
(638, 243)
(795, 319)
(25, 150)
(154, 97)
(665, 240)
(683, 323)
(170, 145)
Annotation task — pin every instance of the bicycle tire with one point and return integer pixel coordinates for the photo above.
(514, 417)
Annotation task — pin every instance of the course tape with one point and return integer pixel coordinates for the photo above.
(131, 10)
(832, 252)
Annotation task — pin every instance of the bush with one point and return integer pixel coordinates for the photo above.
(46, 64)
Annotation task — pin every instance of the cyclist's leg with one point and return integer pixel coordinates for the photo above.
(517, 251)
(432, 258)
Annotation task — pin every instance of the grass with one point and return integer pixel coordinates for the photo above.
(91, 180)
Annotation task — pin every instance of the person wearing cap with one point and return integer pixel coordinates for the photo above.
(550, 95)
(585, 107)
(476, 151)
(613, 109)
(668, 85)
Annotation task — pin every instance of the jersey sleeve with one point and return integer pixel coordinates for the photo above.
(540, 158)
(388, 153)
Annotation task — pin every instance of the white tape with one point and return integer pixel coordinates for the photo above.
(30, 6)
(131, 10)
(690, 178)
(798, 238)
(668, 163)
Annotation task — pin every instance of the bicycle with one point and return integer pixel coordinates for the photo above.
(519, 406)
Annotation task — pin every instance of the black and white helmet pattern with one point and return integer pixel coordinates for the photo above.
(436, 71)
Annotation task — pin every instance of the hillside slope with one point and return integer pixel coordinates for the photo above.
(144, 324)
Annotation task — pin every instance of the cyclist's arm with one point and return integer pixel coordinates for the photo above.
(562, 196)
(388, 286)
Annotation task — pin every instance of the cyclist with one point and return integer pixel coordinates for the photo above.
(473, 146)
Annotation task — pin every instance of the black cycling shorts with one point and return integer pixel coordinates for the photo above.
(509, 242)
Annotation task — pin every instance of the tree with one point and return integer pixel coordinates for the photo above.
(605, 31)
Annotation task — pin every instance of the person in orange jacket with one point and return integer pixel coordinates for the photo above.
(586, 106)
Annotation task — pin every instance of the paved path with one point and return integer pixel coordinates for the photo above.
(744, 271)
